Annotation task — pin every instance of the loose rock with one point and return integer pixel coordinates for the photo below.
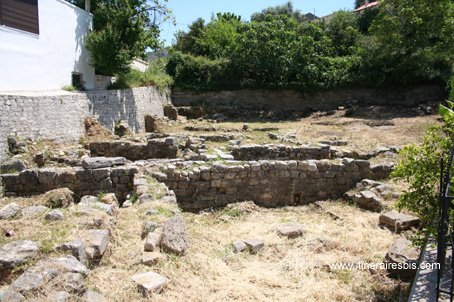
(149, 283)
(77, 249)
(368, 200)
(402, 253)
(96, 242)
(33, 211)
(153, 241)
(59, 198)
(152, 258)
(398, 222)
(55, 215)
(174, 236)
(9, 211)
(239, 246)
(254, 245)
(17, 253)
(148, 227)
(290, 231)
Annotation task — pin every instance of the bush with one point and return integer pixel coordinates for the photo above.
(420, 167)
(200, 73)
(155, 75)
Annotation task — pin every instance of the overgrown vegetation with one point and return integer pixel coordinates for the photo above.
(155, 75)
(420, 167)
(122, 31)
(395, 43)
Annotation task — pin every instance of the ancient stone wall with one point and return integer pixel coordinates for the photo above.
(289, 100)
(280, 152)
(81, 181)
(60, 116)
(267, 183)
(154, 148)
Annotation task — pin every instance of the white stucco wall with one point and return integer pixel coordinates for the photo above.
(46, 61)
(139, 65)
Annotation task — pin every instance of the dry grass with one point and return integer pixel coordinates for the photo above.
(285, 270)
(362, 133)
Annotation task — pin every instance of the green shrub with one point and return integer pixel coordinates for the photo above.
(155, 75)
(420, 168)
(200, 73)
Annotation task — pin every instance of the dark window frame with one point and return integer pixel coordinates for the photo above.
(20, 15)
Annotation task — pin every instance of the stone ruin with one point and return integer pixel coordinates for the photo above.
(269, 175)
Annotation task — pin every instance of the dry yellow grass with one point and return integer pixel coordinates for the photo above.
(285, 270)
(361, 133)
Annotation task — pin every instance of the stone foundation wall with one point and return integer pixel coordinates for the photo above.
(280, 152)
(154, 148)
(81, 181)
(60, 116)
(267, 183)
(289, 100)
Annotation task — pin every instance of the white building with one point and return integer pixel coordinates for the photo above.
(42, 45)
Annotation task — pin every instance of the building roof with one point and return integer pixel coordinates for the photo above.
(366, 6)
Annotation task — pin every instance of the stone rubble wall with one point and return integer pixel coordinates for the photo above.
(118, 180)
(60, 117)
(267, 183)
(281, 152)
(130, 105)
(154, 148)
(290, 100)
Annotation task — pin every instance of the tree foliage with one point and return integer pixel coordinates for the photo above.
(122, 31)
(343, 32)
(408, 41)
(420, 168)
(286, 9)
(398, 43)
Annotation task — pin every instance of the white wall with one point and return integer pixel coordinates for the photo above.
(46, 61)
(139, 65)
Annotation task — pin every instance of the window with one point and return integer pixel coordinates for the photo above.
(77, 80)
(20, 14)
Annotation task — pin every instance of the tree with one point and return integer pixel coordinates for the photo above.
(122, 31)
(280, 10)
(218, 39)
(280, 52)
(359, 3)
(343, 31)
(186, 42)
(410, 41)
(215, 40)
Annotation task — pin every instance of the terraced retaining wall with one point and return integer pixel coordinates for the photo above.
(290, 100)
(60, 116)
(118, 180)
(267, 183)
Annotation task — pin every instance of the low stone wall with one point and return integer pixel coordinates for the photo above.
(154, 148)
(118, 180)
(280, 152)
(59, 116)
(267, 183)
(289, 100)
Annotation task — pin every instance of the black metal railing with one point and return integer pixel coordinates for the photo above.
(445, 240)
